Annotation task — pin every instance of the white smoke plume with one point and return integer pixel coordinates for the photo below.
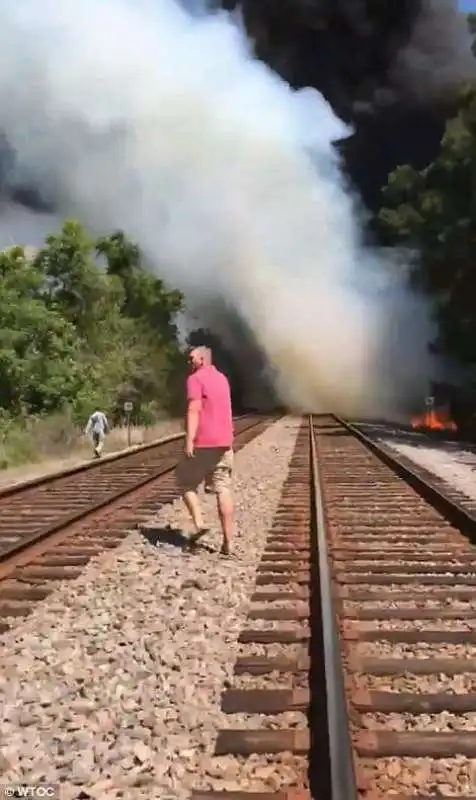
(136, 115)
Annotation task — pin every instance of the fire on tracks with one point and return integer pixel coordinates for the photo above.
(51, 527)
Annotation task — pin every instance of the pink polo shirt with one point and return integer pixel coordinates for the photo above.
(215, 425)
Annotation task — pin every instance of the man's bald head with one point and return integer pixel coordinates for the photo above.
(200, 357)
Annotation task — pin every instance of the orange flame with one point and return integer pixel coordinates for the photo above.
(436, 419)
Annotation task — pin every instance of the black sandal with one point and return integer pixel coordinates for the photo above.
(226, 553)
(195, 537)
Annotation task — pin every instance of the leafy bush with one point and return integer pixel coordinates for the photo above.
(77, 334)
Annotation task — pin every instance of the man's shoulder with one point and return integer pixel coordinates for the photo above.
(219, 375)
(210, 376)
(194, 386)
(193, 379)
(207, 374)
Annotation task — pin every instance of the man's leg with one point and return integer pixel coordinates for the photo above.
(99, 444)
(222, 486)
(225, 512)
(188, 476)
(192, 503)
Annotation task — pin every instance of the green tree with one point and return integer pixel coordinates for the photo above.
(92, 301)
(434, 213)
(75, 333)
(39, 349)
(157, 373)
(146, 297)
(73, 280)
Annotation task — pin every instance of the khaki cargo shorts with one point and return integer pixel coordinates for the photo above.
(212, 465)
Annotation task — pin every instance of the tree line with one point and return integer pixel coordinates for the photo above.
(432, 213)
(85, 325)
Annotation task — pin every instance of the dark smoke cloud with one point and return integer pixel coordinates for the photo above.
(363, 55)
(391, 68)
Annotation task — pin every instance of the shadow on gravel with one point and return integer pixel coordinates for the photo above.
(174, 537)
(165, 535)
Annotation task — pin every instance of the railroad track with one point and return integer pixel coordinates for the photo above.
(426, 439)
(51, 527)
(362, 620)
(405, 577)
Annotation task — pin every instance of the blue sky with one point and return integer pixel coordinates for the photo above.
(467, 5)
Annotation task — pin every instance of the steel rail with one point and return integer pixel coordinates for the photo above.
(454, 513)
(50, 477)
(64, 522)
(91, 464)
(342, 772)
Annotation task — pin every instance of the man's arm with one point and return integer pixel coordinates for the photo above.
(194, 405)
(87, 429)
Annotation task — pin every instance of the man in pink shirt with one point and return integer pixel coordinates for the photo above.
(208, 444)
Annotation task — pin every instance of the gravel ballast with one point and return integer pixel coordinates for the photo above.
(112, 686)
(456, 467)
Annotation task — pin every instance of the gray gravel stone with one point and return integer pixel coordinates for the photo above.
(113, 684)
(457, 467)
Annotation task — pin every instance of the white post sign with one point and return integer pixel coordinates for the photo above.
(128, 406)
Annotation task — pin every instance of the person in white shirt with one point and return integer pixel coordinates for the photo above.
(97, 426)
